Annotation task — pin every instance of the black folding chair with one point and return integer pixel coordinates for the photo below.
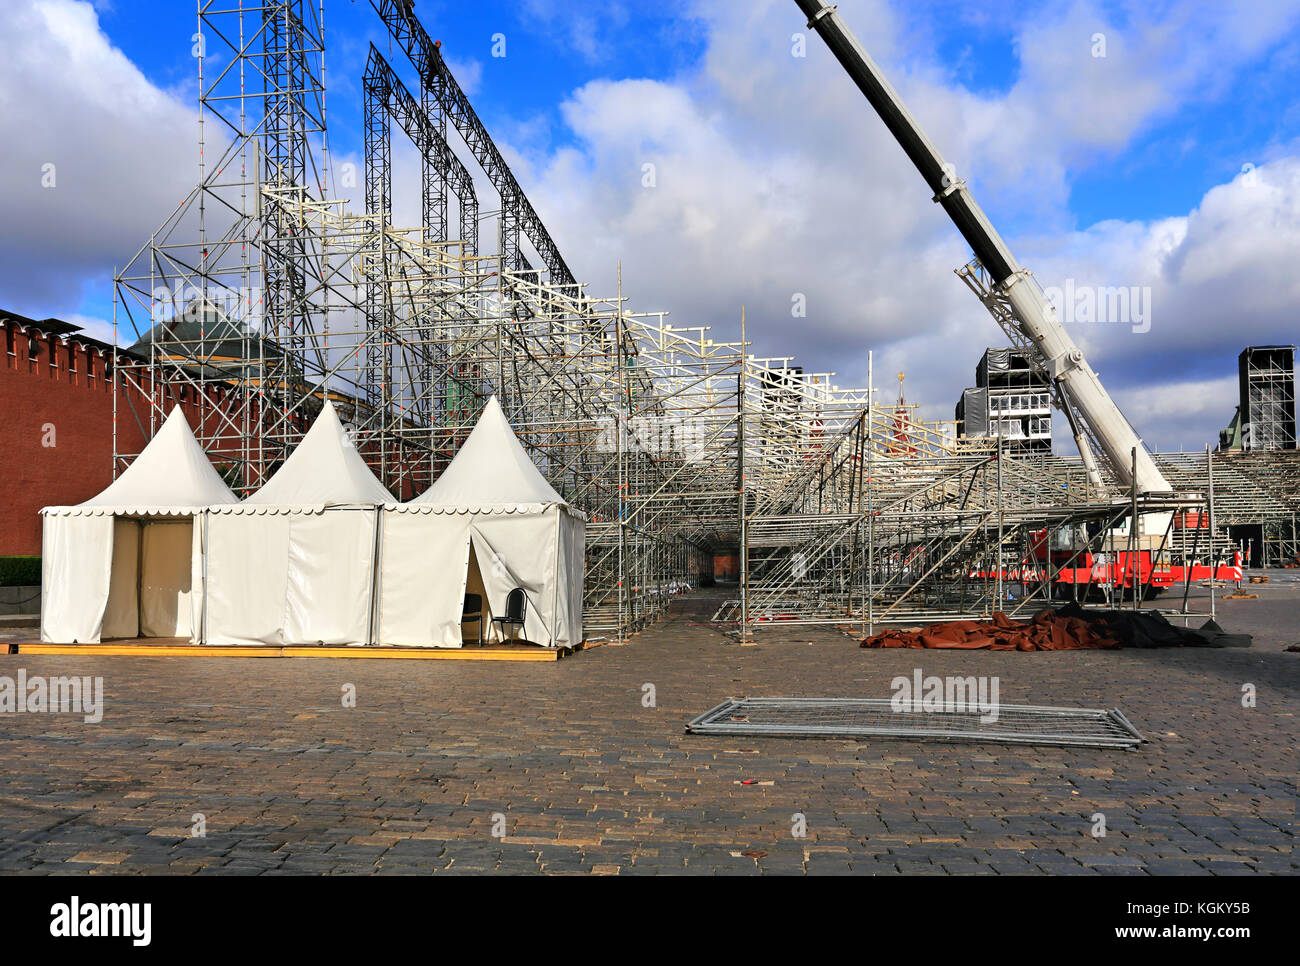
(473, 611)
(516, 603)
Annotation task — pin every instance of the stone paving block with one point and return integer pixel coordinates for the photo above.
(591, 783)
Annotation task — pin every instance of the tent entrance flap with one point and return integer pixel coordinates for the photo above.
(166, 571)
(122, 609)
(150, 581)
(76, 572)
(499, 579)
(472, 630)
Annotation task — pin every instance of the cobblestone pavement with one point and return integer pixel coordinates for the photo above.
(565, 760)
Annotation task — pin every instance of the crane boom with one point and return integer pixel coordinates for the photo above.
(1123, 450)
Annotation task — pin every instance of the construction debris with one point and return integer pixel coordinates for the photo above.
(1048, 631)
(1069, 628)
(1148, 629)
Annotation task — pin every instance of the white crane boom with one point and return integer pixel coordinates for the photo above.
(1034, 316)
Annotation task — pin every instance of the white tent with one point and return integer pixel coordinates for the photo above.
(294, 563)
(126, 563)
(490, 523)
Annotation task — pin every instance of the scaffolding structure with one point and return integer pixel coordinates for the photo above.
(875, 534)
(1011, 399)
(1255, 491)
(267, 292)
(1267, 381)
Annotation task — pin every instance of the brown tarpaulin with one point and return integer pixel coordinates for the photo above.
(1048, 631)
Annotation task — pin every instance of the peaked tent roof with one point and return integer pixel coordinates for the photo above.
(172, 474)
(491, 469)
(324, 470)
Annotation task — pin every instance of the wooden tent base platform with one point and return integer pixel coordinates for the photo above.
(158, 647)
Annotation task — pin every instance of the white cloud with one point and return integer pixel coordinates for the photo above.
(1189, 412)
(97, 328)
(773, 176)
(584, 29)
(468, 73)
(1221, 278)
(123, 153)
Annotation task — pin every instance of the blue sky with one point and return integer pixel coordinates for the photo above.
(1162, 172)
(774, 176)
(542, 66)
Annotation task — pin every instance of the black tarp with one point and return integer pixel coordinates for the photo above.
(1151, 629)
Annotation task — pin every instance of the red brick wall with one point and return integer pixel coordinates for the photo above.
(74, 398)
(726, 567)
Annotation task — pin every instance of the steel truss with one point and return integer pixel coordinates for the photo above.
(517, 213)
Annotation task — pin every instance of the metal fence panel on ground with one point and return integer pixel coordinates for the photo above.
(877, 718)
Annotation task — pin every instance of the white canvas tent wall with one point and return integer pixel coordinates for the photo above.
(127, 562)
(490, 519)
(294, 563)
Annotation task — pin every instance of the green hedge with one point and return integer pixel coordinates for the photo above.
(20, 571)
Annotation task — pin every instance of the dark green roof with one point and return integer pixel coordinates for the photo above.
(208, 337)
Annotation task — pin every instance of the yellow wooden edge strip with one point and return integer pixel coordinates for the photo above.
(207, 650)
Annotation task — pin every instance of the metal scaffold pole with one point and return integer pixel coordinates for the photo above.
(620, 432)
(1214, 554)
(742, 484)
(871, 514)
